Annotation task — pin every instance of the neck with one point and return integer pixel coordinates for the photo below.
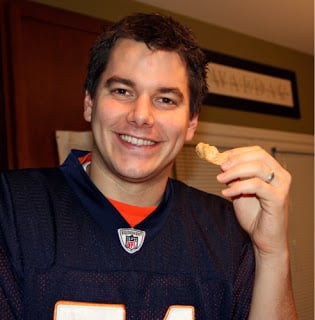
(145, 193)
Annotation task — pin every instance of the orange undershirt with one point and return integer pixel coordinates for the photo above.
(132, 214)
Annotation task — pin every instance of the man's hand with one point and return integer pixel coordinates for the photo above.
(259, 188)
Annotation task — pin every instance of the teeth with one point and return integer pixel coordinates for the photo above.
(136, 141)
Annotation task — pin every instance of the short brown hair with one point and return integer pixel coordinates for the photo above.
(158, 32)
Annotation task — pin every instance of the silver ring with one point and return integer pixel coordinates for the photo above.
(270, 177)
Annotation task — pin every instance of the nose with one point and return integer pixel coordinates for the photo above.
(141, 112)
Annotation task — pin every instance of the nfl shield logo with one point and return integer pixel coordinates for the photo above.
(131, 242)
(131, 239)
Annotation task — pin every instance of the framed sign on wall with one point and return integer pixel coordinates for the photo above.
(245, 85)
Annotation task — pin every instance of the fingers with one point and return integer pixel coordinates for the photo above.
(245, 170)
(247, 187)
(256, 165)
(249, 154)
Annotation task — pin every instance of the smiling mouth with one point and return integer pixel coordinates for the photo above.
(136, 141)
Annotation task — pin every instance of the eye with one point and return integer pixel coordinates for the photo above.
(167, 100)
(120, 91)
(122, 94)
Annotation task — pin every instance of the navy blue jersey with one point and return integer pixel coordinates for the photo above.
(62, 242)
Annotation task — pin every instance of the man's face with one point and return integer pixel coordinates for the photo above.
(140, 112)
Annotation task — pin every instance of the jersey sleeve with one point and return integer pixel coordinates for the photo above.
(242, 265)
(243, 283)
(10, 284)
(10, 291)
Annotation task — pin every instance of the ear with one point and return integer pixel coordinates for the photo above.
(88, 106)
(193, 123)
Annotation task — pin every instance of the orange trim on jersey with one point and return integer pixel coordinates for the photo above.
(85, 158)
(132, 214)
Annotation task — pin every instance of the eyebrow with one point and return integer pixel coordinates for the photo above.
(112, 80)
(175, 91)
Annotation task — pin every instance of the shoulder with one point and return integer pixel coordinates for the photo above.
(29, 189)
(29, 178)
(30, 200)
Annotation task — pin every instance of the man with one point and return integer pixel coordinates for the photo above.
(109, 236)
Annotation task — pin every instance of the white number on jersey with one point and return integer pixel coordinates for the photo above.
(71, 310)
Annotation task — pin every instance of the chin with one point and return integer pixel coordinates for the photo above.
(140, 176)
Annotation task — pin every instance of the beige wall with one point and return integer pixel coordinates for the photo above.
(232, 43)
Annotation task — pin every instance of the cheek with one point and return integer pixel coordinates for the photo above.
(176, 128)
(100, 121)
(103, 114)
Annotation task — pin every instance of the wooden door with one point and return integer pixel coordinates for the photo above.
(48, 50)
